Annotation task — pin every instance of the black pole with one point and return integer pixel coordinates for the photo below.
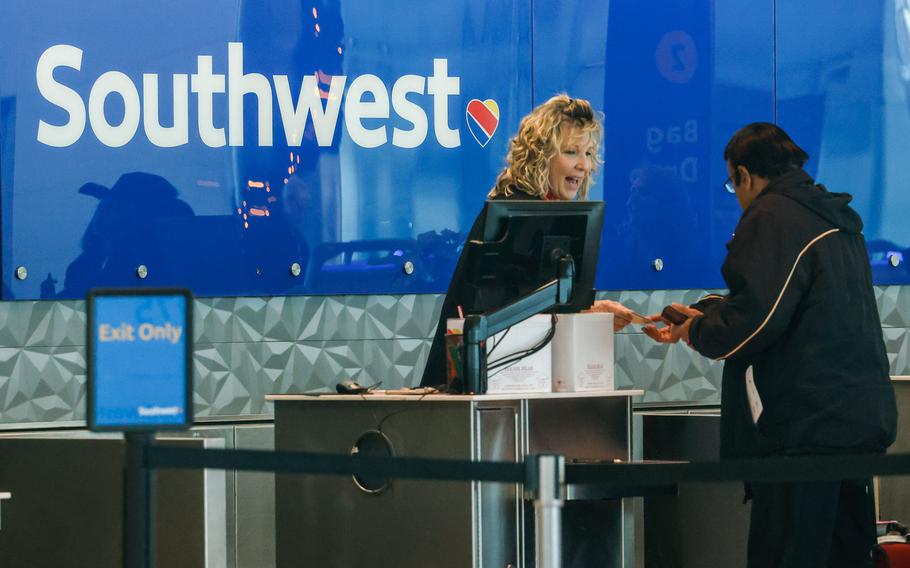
(138, 503)
(475, 368)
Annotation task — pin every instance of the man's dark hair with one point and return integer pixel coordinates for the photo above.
(765, 150)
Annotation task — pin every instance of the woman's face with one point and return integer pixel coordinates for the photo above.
(571, 164)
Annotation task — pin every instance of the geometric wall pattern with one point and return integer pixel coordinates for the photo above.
(249, 347)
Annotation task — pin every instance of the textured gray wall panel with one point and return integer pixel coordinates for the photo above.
(232, 379)
(667, 373)
(42, 384)
(315, 318)
(893, 305)
(896, 343)
(47, 324)
(249, 347)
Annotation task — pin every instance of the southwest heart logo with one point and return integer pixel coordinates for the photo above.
(482, 118)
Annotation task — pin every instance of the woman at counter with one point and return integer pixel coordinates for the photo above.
(553, 157)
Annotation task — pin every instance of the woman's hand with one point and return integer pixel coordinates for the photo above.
(622, 316)
(673, 333)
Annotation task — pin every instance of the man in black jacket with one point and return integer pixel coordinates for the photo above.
(805, 372)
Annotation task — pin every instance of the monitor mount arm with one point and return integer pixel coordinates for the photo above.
(478, 328)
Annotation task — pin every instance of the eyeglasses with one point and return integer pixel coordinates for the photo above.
(728, 185)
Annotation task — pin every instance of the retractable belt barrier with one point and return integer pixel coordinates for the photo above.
(335, 464)
(544, 476)
(769, 470)
(757, 470)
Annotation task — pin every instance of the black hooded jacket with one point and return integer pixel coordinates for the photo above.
(801, 313)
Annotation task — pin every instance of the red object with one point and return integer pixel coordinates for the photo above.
(484, 116)
(891, 555)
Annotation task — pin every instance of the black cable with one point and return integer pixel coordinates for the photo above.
(519, 355)
(379, 423)
(389, 415)
(498, 341)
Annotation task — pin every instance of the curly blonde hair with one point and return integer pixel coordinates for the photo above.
(537, 142)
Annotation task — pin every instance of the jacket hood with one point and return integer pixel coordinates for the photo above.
(832, 207)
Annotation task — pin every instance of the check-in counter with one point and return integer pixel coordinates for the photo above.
(67, 503)
(704, 525)
(893, 492)
(335, 521)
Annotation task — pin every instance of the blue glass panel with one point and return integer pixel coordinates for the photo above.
(843, 79)
(674, 79)
(246, 188)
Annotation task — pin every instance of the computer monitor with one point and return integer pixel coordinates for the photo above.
(139, 359)
(521, 246)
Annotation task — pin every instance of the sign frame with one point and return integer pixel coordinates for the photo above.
(91, 358)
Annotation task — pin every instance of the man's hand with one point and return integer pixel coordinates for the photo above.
(673, 333)
(622, 316)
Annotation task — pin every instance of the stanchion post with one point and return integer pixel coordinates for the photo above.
(548, 503)
(138, 503)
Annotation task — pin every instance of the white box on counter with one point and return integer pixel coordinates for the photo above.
(583, 353)
(532, 373)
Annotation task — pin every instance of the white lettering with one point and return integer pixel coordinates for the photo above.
(159, 410)
(309, 103)
(60, 95)
(123, 332)
(409, 111)
(240, 84)
(655, 137)
(440, 85)
(146, 332)
(166, 332)
(368, 101)
(691, 127)
(205, 84)
(356, 109)
(109, 134)
(688, 169)
(175, 135)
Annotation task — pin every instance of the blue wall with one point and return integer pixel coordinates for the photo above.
(388, 181)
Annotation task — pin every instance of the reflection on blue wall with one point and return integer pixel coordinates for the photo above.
(843, 75)
(658, 143)
(674, 80)
(317, 146)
